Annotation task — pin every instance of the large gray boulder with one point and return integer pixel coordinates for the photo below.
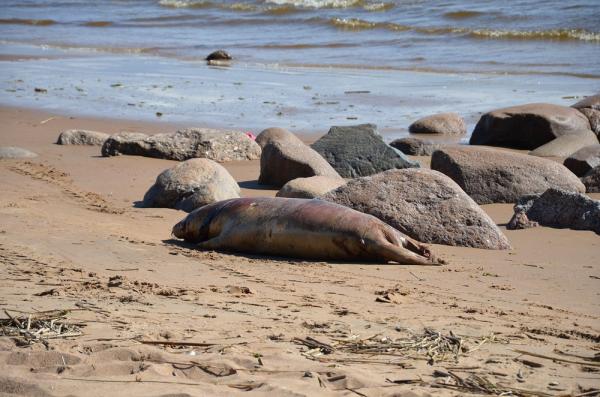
(442, 123)
(415, 146)
(583, 160)
(309, 188)
(423, 204)
(185, 144)
(498, 176)
(565, 145)
(561, 209)
(359, 150)
(14, 152)
(190, 185)
(591, 180)
(285, 157)
(82, 137)
(527, 126)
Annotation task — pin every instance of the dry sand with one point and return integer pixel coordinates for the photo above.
(69, 225)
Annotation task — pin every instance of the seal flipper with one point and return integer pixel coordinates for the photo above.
(214, 243)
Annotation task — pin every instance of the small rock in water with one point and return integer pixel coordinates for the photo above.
(219, 55)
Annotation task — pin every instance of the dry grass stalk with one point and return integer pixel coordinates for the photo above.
(38, 327)
(481, 385)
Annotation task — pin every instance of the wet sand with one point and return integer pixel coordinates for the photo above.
(69, 227)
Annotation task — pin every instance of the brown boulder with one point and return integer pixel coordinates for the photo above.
(191, 184)
(309, 188)
(423, 204)
(527, 126)
(275, 134)
(590, 102)
(498, 176)
(415, 146)
(442, 123)
(593, 117)
(285, 157)
(583, 160)
(564, 145)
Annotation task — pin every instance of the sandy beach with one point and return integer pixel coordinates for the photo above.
(155, 317)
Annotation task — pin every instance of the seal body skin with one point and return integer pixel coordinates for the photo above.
(301, 228)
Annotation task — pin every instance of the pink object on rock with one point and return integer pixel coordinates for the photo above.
(251, 135)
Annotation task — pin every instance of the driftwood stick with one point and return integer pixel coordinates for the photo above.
(564, 360)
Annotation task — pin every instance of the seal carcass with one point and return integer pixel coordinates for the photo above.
(301, 228)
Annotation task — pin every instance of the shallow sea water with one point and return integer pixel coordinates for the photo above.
(297, 62)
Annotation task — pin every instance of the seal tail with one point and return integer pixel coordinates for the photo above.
(405, 256)
(406, 251)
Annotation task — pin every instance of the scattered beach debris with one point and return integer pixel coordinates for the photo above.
(432, 345)
(39, 327)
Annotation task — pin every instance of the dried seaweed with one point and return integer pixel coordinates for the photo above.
(38, 327)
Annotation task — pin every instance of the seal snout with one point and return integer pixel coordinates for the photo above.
(179, 229)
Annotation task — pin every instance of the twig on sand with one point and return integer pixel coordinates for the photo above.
(564, 360)
(174, 343)
(47, 120)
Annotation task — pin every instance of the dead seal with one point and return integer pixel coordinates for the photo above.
(300, 228)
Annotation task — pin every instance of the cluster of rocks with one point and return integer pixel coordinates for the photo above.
(440, 205)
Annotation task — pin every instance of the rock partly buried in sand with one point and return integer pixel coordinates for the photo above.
(184, 144)
(591, 180)
(360, 151)
(415, 146)
(299, 228)
(565, 145)
(527, 126)
(423, 204)
(442, 123)
(82, 137)
(498, 176)
(561, 209)
(13, 152)
(285, 157)
(190, 185)
(312, 187)
(583, 160)
(219, 55)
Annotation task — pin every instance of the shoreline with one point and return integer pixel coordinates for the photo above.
(305, 101)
